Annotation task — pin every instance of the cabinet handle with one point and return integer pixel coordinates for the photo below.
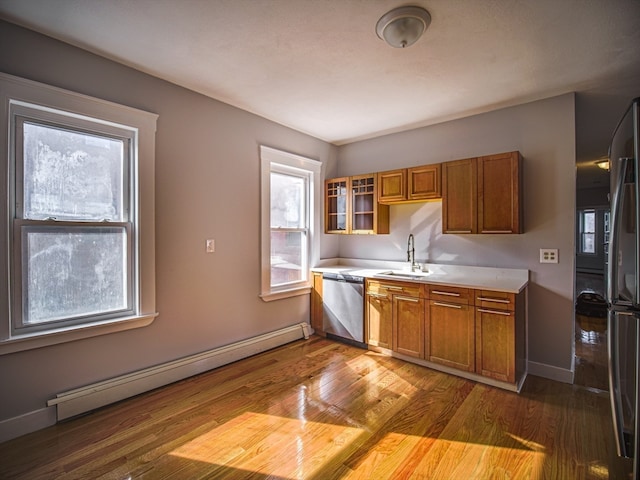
(450, 294)
(495, 300)
(495, 312)
(377, 295)
(408, 299)
(458, 231)
(448, 305)
(390, 287)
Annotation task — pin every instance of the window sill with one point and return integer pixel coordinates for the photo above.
(280, 294)
(20, 343)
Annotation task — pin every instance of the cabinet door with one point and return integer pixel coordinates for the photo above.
(408, 325)
(367, 216)
(379, 320)
(316, 304)
(495, 344)
(450, 335)
(392, 186)
(424, 182)
(500, 193)
(459, 196)
(336, 205)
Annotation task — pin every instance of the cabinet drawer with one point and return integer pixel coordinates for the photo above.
(385, 288)
(451, 294)
(492, 300)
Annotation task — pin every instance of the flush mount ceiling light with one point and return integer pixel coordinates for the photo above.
(403, 26)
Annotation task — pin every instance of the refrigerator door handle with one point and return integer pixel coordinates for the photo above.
(612, 260)
(615, 395)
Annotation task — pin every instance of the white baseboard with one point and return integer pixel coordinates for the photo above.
(549, 371)
(90, 397)
(27, 423)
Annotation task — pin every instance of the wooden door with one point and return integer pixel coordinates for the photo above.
(408, 325)
(392, 186)
(451, 335)
(459, 196)
(500, 193)
(424, 183)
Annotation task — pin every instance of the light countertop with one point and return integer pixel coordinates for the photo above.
(509, 280)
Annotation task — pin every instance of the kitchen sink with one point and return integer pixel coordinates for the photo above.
(400, 274)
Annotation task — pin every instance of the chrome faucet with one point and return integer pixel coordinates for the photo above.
(411, 253)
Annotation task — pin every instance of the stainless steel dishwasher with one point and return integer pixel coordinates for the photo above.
(343, 307)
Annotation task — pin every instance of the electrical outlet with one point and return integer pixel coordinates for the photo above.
(211, 245)
(548, 255)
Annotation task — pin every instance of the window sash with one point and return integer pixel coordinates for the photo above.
(22, 295)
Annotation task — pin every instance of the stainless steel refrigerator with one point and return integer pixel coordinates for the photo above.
(623, 288)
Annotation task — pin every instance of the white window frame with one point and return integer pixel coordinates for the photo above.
(272, 160)
(20, 98)
(582, 233)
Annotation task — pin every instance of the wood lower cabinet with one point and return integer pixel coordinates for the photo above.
(378, 315)
(500, 335)
(316, 303)
(408, 324)
(395, 317)
(450, 332)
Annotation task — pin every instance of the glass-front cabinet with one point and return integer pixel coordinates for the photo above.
(351, 206)
(336, 205)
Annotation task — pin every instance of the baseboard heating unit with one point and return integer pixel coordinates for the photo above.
(81, 400)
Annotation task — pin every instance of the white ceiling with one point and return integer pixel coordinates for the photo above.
(317, 65)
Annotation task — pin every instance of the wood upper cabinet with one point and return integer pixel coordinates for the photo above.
(450, 327)
(407, 185)
(424, 183)
(336, 205)
(351, 206)
(500, 335)
(483, 195)
(392, 186)
(500, 193)
(460, 196)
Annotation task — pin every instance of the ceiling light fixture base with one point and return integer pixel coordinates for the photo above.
(403, 26)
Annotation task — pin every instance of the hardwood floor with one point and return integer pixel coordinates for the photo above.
(319, 410)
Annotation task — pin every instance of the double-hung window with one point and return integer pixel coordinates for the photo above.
(587, 232)
(75, 215)
(290, 186)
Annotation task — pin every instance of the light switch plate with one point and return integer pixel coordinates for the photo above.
(210, 245)
(548, 255)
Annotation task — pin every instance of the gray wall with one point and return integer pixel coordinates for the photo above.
(544, 132)
(207, 186)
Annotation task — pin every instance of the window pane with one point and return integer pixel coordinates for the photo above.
(72, 175)
(588, 243)
(287, 201)
(589, 219)
(288, 249)
(73, 272)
